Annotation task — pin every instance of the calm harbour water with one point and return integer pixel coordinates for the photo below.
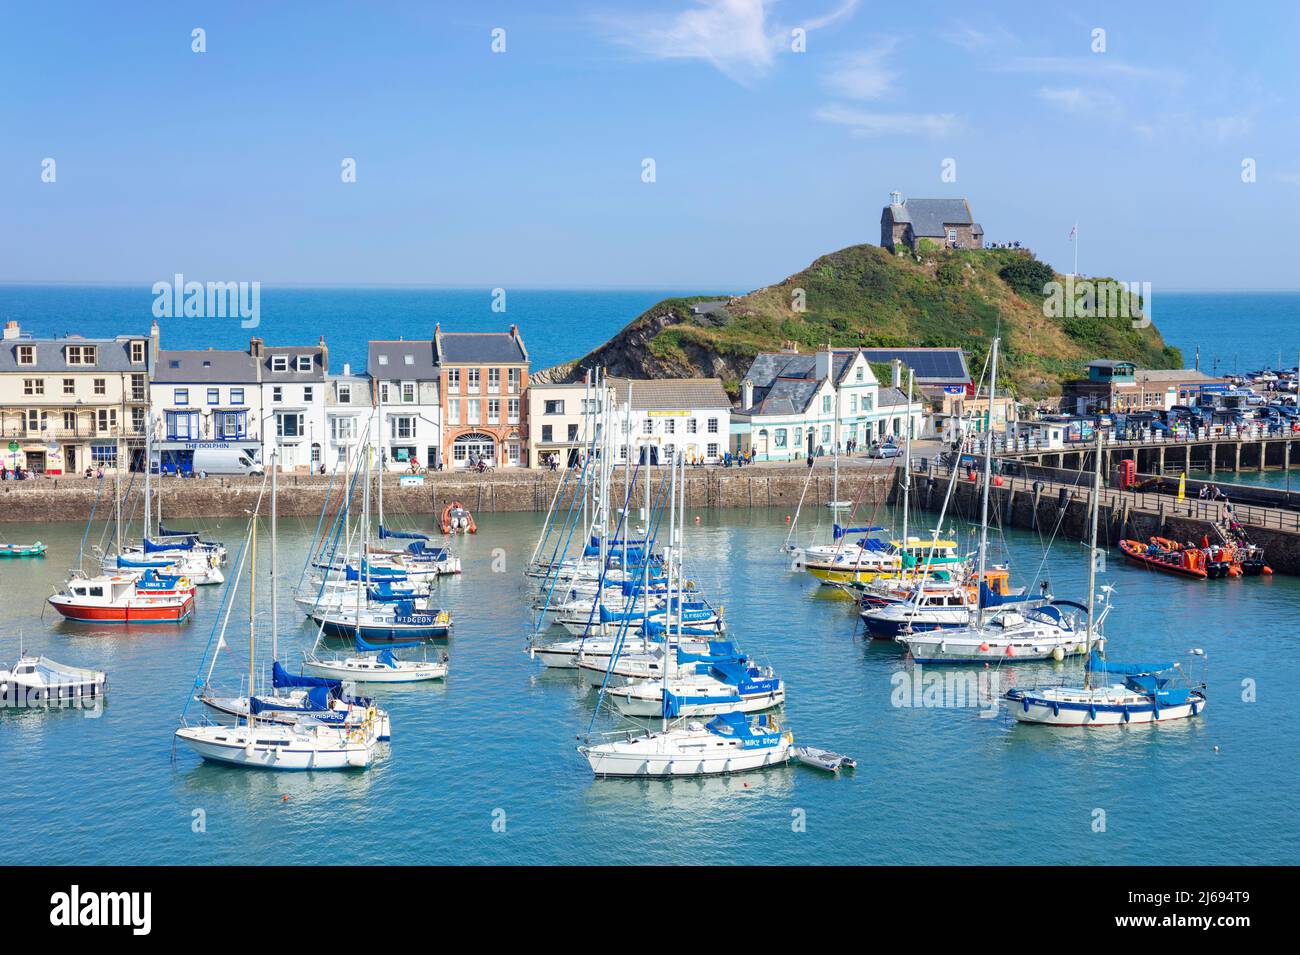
(934, 785)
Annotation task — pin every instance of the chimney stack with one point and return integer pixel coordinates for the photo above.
(11, 330)
(747, 394)
(898, 373)
(324, 357)
(823, 366)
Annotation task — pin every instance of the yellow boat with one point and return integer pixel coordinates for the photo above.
(866, 560)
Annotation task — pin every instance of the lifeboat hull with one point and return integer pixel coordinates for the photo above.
(1169, 563)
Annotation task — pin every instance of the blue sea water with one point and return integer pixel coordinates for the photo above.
(557, 325)
(494, 748)
(1236, 331)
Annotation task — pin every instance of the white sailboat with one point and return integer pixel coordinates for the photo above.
(1010, 633)
(305, 744)
(729, 743)
(1147, 694)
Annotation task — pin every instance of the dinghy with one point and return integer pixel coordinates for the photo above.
(22, 550)
(823, 759)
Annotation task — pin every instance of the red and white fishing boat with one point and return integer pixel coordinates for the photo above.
(124, 598)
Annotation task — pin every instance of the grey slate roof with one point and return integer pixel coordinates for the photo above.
(891, 397)
(207, 365)
(111, 354)
(489, 348)
(316, 373)
(929, 216)
(672, 394)
(785, 396)
(767, 367)
(421, 367)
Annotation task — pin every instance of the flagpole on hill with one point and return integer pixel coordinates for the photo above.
(1074, 237)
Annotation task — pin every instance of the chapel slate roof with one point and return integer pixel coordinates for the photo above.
(929, 216)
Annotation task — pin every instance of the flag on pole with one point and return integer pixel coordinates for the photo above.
(1073, 231)
(1182, 485)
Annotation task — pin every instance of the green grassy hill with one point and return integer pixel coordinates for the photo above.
(864, 295)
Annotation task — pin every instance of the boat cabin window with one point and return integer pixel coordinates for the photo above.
(79, 591)
(96, 591)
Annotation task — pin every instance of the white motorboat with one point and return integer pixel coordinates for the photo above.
(729, 743)
(39, 680)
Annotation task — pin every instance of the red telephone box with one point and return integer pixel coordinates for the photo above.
(1128, 470)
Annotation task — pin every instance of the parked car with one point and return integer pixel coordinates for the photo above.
(884, 451)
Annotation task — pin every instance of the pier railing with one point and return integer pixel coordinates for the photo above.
(1220, 512)
(1031, 443)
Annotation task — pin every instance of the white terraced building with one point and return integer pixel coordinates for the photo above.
(794, 404)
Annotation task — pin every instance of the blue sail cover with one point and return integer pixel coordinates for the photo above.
(423, 551)
(165, 532)
(404, 535)
(317, 701)
(839, 531)
(137, 564)
(280, 678)
(719, 651)
(1099, 664)
(187, 543)
(617, 616)
(374, 573)
(991, 598)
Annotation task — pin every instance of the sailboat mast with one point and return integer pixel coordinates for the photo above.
(252, 606)
(988, 479)
(275, 534)
(907, 457)
(117, 505)
(148, 484)
(382, 450)
(1092, 555)
(670, 553)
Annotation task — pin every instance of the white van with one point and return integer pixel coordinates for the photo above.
(215, 457)
(228, 460)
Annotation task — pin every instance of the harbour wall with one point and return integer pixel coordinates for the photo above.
(1041, 506)
(72, 499)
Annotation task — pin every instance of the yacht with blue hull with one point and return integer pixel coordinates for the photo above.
(401, 620)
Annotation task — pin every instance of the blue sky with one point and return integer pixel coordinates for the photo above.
(524, 168)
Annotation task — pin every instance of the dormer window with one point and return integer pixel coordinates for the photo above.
(304, 362)
(383, 359)
(279, 362)
(137, 353)
(80, 354)
(408, 359)
(26, 354)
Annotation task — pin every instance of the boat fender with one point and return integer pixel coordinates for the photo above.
(1058, 654)
(1056, 709)
(1267, 569)
(1025, 703)
(1011, 651)
(1126, 714)
(1195, 708)
(984, 647)
(1092, 712)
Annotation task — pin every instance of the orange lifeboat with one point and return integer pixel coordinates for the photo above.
(456, 517)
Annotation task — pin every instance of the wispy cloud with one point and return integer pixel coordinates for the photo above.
(1075, 99)
(862, 75)
(862, 123)
(973, 39)
(739, 37)
(1095, 64)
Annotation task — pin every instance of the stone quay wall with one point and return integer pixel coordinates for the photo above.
(71, 499)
